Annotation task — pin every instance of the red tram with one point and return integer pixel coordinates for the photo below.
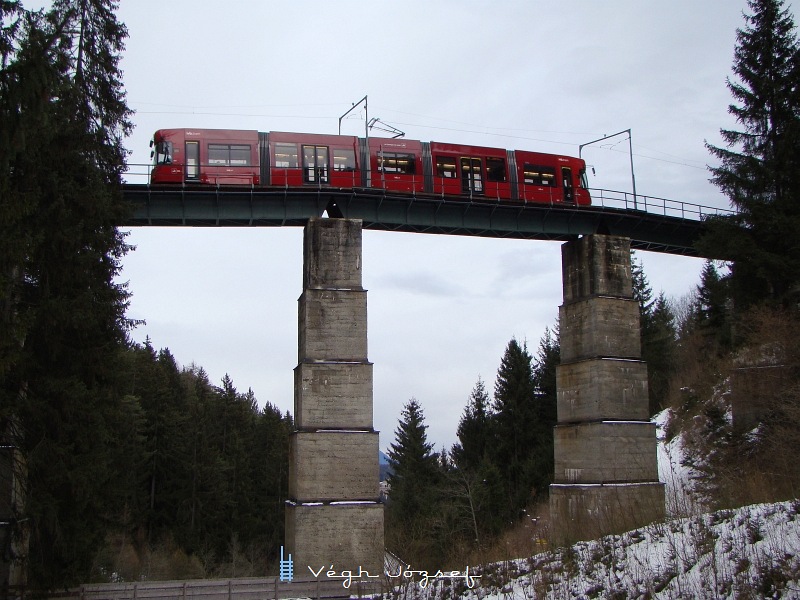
(235, 157)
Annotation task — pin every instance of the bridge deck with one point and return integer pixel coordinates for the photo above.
(265, 207)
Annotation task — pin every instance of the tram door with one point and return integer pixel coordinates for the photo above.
(471, 176)
(569, 191)
(315, 164)
(192, 161)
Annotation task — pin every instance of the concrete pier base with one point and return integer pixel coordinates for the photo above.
(589, 511)
(347, 536)
(333, 516)
(606, 471)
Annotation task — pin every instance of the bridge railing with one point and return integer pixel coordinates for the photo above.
(654, 205)
(139, 174)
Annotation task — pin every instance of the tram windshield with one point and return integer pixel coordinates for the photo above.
(163, 153)
(584, 179)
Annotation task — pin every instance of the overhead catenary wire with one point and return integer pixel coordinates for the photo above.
(474, 129)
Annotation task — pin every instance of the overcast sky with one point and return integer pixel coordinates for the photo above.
(528, 74)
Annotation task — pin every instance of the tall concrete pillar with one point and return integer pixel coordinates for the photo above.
(606, 471)
(334, 516)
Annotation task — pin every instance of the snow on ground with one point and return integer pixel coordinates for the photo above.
(678, 477)
(750, 552)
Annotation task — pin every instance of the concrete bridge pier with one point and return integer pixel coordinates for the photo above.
(333, 516)
(606, 470)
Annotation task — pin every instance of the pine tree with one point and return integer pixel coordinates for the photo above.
(759, 168)
(414, 466)
(548, 356)
(164, 399)
(713, 314)
(517, 428)
(642, 292)
(659, 346)
(416, 525)
(473, 430)
(658, 337)
(207, 513)
(474, 484)
(542, 462)
(236, 420)
(94, 41)
(10, 11)
(62, 117)
(270, 476)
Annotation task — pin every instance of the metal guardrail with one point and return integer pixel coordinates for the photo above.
(654, 205)
(601, 198)
(262, 588)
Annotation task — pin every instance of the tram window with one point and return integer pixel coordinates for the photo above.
(286, 156)
(539, 175)
(391, 162)
(446, 167)
(163, 153)
(228, 155)
(344, 159)
(495, 169)
(217, 154)
(240, 155)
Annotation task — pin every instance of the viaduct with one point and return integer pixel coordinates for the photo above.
(606, 476)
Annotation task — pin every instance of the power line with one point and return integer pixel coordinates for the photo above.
(680, 161)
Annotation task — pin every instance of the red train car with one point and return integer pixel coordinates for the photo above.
(470, 171)
(210, 156)
(551, 178)
(298, 159)
(396, 164)
(225, 157)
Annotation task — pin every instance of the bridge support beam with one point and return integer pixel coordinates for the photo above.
(606, 471)
(333, 514)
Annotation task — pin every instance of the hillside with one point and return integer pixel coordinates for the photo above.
(750, 552)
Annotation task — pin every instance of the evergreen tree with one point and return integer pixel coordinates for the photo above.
(713, 318)
(62, 117)
(642, 292)
(759, 168)
(165, 401)
(206, 512)
(270, 477)
(475, 484)
(414, 466)
(659, 345)
(658, 337)
(10, 11)
(417, 526)
(517, 428)
(542, 462)
(548, 356)
(473, 430)
(239, 413)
